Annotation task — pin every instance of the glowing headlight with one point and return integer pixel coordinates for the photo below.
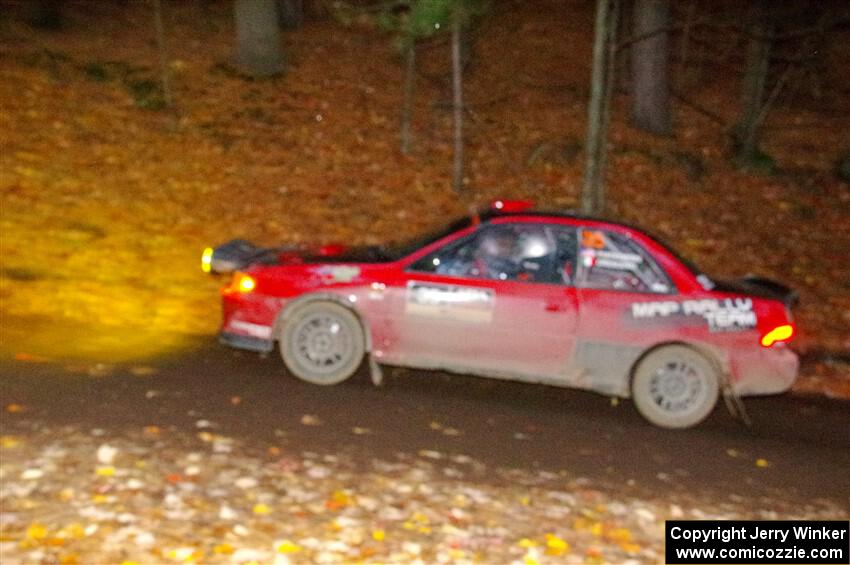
(206, 260)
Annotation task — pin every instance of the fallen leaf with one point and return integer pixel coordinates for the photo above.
(287, 546)
(310, 420)
(555, 545)
(261, 509)
(9, 442)
(36, 531)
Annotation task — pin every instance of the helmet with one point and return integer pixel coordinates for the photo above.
(534, 244)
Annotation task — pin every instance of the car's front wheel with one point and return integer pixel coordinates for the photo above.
(675, 386)
(322, 343)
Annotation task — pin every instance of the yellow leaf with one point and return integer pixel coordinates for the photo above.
(378, 535)
(105, 471)
(36, 531)
(527, 543)
(620, 535)
(555, 545)
(223, 549)
(9, 442)
(762, 463)
(261, 509)
(287, 546)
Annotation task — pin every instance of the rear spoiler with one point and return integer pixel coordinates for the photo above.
(760, 286)
(238, 254)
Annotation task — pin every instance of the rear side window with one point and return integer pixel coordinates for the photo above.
(614, 261)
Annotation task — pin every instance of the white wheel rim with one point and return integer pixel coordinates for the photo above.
(322, 342)
(677, 387)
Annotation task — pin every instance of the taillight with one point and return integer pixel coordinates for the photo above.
(778, 334)
(242, 283)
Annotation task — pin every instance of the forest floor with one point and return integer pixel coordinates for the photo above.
(108, 200)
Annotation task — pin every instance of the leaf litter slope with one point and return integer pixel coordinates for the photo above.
(107, 203)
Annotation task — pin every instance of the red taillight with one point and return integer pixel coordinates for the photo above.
(778, 334)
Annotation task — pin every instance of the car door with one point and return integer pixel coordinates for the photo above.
(494, 302)
(614, 274)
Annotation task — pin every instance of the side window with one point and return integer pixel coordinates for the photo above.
(519, 252)
(613, 261)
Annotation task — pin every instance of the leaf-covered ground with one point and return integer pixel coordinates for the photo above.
(164, 496)
(108, 200)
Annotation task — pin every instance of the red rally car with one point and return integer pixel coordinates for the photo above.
(517, 294)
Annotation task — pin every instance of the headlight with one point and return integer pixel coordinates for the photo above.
(206, 260)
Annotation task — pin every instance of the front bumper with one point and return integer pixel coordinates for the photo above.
(246, 342)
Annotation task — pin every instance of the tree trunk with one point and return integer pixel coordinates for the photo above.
(407, 103)
(607, 96)
(457, 87)
(290, 14)
(258, 49)
(592, 196)
(623, 48)
(685, 44)
(650, 67)
(162, 48)
(755, 78)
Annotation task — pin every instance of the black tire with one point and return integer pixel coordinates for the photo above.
(322, 343)
(675, 386)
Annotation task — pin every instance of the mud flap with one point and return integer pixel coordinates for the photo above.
(734, 402)
(375, 372)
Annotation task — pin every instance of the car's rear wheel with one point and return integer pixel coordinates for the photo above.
(675, 386)
(322, 343)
